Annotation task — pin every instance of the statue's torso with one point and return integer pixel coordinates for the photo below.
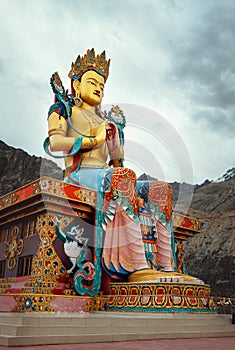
(87, 122)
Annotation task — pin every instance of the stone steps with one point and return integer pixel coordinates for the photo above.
(12, 330)
(51, 328)
(53, 318)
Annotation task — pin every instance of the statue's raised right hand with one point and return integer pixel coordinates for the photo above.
(101, 134)
(98, 140)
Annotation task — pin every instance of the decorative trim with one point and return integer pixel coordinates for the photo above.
(161, 297)
(13, 248)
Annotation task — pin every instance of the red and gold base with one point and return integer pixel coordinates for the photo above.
(160, 297)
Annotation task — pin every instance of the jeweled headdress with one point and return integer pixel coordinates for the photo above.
(90, 62)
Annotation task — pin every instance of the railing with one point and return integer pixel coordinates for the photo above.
(225, 305)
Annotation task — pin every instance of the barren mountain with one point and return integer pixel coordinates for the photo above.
(211, 254)
(17, 168)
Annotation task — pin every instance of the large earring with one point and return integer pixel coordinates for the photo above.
(78, 101)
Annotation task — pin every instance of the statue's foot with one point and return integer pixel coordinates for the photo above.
(149, 275)
(187, 278)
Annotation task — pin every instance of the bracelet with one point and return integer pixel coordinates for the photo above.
(92, 143)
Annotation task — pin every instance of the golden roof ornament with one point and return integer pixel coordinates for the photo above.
(90, 62)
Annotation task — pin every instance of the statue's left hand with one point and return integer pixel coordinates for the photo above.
(110, 131)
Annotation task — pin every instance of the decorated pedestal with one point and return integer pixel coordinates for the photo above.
(160, 297)
(34, 267)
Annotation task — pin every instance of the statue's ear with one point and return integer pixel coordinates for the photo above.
(76, 85)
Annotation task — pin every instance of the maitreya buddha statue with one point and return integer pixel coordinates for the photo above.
(138, 233)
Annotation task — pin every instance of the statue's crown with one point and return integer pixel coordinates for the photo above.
(90, 62)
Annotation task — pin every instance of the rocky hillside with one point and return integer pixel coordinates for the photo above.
(209, 255)
(18, 168)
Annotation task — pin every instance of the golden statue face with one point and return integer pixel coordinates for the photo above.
(91, 88)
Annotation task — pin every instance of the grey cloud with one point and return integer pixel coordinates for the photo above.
(204, 66)
(216, 120)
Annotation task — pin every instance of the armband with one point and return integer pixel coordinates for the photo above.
(56, 131)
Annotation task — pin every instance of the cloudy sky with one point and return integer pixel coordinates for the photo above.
(172, 72)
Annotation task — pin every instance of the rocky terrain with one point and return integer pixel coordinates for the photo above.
(18, 168)
(210, 255)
